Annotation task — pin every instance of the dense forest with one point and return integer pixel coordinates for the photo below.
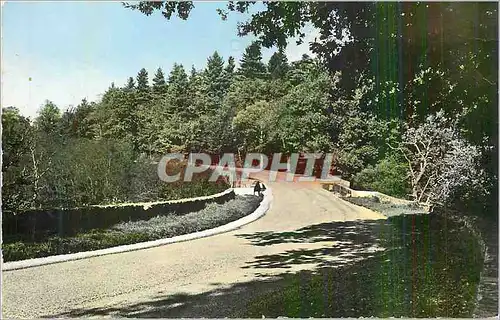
(408, 105)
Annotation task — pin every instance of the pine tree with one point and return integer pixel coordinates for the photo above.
(178, 88)
(195, 85)
(130, 84)
(214, 76)
(230, 65)
(278, 65)
(193, 74)
(251, 65)
(142, 81)
(229, 73)
(159, 83)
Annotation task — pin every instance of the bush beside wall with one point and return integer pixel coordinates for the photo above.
(124, 233)
(33, 225)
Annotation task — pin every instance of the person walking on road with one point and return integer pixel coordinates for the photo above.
(257, 189)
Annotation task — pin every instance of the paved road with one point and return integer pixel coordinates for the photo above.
(208, 277)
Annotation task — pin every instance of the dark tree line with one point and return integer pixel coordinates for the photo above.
(372, 100)
(402, 63)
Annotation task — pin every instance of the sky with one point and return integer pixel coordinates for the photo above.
(75, 50)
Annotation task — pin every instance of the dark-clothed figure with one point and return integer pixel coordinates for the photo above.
(257, 189)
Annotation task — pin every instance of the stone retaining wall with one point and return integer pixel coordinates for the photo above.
(36, 224)
(343, 188)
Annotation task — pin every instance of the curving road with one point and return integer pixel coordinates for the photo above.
(208, 277)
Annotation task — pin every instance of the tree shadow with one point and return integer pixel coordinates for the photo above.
(350, 242)
(347, 242)
(218, 303)
(358, 231)
(361, 268)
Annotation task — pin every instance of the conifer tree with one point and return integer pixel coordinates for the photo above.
(230, 65)
(130, 84)
(251, 65)
(142, 81)
(178, 89)
(229, 73)
(278, 65)
(214, 75)
(159, 83)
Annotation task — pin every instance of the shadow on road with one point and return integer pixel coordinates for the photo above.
(407, 266)
(348, 242)
(224, 302)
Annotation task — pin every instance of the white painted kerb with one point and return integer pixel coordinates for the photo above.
(259, 212)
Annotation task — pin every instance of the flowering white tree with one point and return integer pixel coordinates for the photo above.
(440, 161)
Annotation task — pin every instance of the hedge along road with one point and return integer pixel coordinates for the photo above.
(179, 279)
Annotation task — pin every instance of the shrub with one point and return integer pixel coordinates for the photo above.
(214, 214)
(389, 176)
(211, 216)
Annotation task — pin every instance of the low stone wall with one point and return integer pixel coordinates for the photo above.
(343, 188)
(36, 224)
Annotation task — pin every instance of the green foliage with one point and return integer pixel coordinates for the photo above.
(142, 81)
(159, 83)
(303, 117)
(48, 118)
(116, 115)
(360, 143)
(230, 67)
(245, 92)
(178, 90)
(430, 267)
(255, 127)
(449, 65)
(278, 65)
(352, 98)
(130, 84)
(85, 172)
(94, 240)
(388, 176)
(79, 122)
(301, 70)
(211, 216)
(215, 78)
(17, 135)
(251, 65)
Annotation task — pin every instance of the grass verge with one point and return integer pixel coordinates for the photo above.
(386, 208)
(213, 215)
(430, 268)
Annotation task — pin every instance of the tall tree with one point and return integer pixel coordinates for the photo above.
(79, 122)
(178, 89)
(16, 137)
(197, 89)
(130, 84)
(251, 65)
(142, 81)
(48, 120)
(214, 76)
(278, 65)
(159, 83)
(230, 67)
(116, 115)
(299, 71)
(229, 73)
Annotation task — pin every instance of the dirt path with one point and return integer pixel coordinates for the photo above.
(184, 279)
